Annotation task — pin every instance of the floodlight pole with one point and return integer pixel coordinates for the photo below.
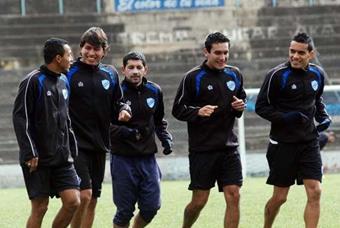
(61, 7)
(99, 6)
(23, 7)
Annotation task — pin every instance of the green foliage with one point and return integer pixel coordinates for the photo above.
(15, 206)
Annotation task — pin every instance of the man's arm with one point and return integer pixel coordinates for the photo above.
(182, 108)
(122, 109)
(239, 102)
(321, 115)
(72, 138)
(264, 104)
(161, 126)
(23, 118)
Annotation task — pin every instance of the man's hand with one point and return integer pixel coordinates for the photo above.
(295, 117)
(124, 116)
(167, 145)
(32, 164)
(323, 125)
(207, 110)
(130, 133)
(238, 104)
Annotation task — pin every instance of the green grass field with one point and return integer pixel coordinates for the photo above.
(15, 206)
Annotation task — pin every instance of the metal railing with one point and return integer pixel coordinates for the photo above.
(60, 5)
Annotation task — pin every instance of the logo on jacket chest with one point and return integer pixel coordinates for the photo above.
(231, 85)
(106, 84)
(150, 102)
(65, 93)
(315, 85)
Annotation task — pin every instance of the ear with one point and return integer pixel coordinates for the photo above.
(312, 54)
(122, 70)
(106, 50)
(205, 52)
(58, 58)
(146, 70)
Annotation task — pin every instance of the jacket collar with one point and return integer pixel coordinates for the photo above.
(46, 71)
(208, 69)
(87, 66)
(131, 86)
(297, 70)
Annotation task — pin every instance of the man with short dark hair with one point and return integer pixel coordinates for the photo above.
(209, 99)
(95, 101)
(45, 137)
(291, 98)
(134, 170)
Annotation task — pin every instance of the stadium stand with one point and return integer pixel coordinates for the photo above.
(171, 40)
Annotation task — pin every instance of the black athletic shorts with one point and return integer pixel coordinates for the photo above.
(90, 166)
(208, 167)
(50, 181)
(290, 162)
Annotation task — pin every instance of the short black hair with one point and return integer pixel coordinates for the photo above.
(302, 37)
(52, 48)
(134, 55)
(96, 37)
(213, 38)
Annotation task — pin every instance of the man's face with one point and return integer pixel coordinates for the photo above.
(218, 55)
(134, 71)
(299, 56)
(91, 55)
(66, 59)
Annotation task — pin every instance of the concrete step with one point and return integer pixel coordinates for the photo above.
(289, 20)
(283, 42)
(44, 18)
(301, 11)
(13, 31)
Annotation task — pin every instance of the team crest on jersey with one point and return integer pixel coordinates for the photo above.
(49, 93)
(210, 87)
(151, 102)
(106, 84)
(65, 93)
(294, 86)
(231, 85)
(315, 85)
(80, 84)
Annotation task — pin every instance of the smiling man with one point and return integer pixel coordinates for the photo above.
(209, 99)
(134, 170)
(291, 98)
(46, 140)
(95, 101)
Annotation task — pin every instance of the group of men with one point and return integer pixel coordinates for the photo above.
(67, 116)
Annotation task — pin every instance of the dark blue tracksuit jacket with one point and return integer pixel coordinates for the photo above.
(147, 107)
(286, 89)
(204, 86)
(41, 120)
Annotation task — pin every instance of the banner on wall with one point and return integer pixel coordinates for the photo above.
(146, 5)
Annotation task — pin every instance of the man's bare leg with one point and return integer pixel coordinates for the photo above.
(38, 211)
(193, 209)
(312, 210)
(273, 205)
(71, 201)
(232, 213)
(85, 198)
